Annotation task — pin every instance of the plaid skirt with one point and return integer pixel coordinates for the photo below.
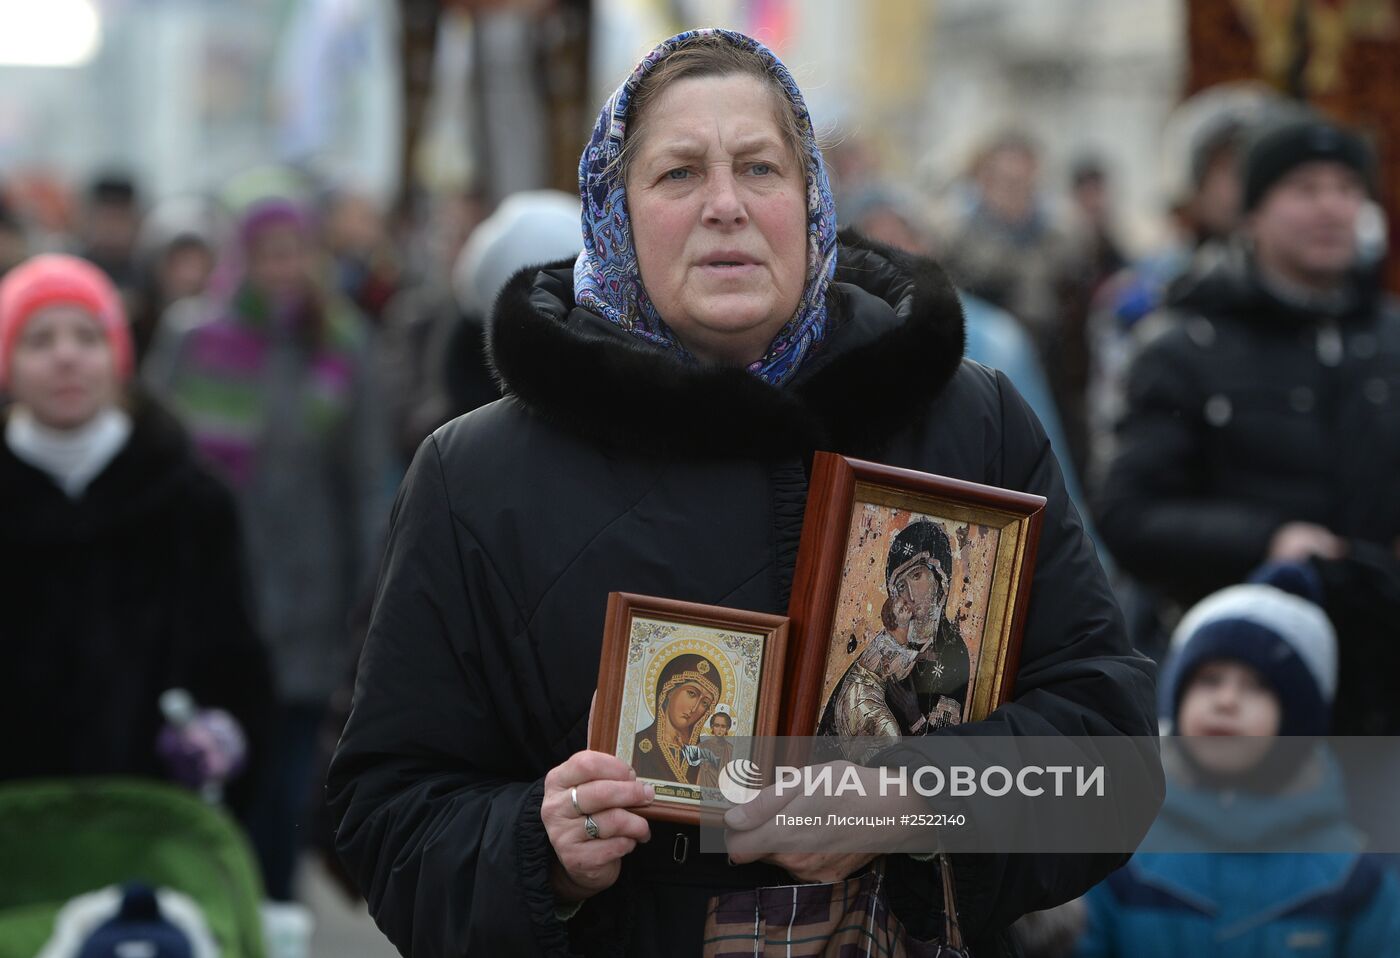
(845, 919)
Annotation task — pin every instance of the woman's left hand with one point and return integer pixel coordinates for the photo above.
(753, 833)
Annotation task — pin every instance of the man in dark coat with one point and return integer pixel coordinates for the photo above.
(1263, 411)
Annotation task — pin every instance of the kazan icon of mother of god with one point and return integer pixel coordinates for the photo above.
(687, 690)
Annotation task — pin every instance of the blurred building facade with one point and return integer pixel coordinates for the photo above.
(924, 84)
(184, 94)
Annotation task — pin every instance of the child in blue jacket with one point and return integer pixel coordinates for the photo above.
(1259, 660)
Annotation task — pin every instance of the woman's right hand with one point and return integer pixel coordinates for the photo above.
(607, 788)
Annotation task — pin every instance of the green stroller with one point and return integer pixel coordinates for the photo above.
(62, 839)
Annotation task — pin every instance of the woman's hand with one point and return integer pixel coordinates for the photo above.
(605, 787)
(814, 853)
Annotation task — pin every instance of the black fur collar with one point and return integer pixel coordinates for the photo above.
(897, 340)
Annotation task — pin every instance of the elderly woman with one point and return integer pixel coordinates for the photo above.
(665, 394)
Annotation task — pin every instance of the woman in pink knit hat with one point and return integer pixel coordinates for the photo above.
(120, 563)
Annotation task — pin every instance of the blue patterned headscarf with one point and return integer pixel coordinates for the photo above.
(606, 278)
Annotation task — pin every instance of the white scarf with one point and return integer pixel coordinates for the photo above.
(71, 457)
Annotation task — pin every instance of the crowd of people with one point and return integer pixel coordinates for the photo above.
(209, 407)
(211, 402)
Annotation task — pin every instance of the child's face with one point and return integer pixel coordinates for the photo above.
(1228, 700)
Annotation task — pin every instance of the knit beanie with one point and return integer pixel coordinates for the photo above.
(55, 279)
(268, 214)
(531, 227)
(131, 920)
(1281, 147)
(1272, 623)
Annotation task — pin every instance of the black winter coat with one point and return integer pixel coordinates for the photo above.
(110, 599)
(610, 466)
(1244, 413)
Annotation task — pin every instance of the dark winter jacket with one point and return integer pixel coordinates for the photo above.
(110, 599)
(609, 466)
(1245, 412)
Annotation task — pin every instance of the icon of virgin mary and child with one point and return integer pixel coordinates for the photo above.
(688, 689)
(912, 677)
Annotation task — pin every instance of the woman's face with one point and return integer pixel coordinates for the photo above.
(687, 705)
(719, 216)
(62, 369)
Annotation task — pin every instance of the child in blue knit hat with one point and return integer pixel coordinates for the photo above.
(1246, 665)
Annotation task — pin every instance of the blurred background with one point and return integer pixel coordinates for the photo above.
(411, 102)
(177, 143)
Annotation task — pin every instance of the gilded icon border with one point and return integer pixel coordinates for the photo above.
(839, 484)
(623, 610)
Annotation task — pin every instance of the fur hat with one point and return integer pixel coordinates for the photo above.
(536, 226)
(1272, 623)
